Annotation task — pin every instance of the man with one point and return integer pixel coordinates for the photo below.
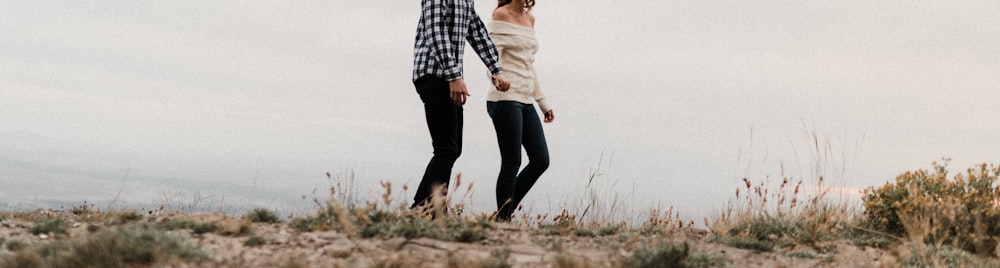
(444, 27)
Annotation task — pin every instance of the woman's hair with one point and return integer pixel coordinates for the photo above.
(528, 4)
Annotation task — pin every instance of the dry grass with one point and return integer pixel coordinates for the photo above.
(938, 222)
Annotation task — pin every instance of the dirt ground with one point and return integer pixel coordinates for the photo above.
(519, 246)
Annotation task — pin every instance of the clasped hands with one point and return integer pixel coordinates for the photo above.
(459, 92)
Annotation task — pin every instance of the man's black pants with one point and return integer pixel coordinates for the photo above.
(444, 120)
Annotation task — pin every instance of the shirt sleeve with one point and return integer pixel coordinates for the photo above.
(479, 37)
(437, 16)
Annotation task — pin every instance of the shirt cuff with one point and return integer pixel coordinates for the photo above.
(452, 74)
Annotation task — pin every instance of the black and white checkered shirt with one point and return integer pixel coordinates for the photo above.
(444, 27)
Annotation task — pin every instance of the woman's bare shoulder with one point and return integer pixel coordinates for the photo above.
(501, 14)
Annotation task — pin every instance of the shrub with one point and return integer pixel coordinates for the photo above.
(195, 227)
(127, 216)
(386, 224)
(254, 241)
(53, 226)
(930, 207)
(202, 228)
(134, 245)
(262, 215)
(15, 245)
(663, 255)
(176, 224)
(330, 216)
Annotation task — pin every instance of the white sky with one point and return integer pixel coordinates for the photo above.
(142, 101)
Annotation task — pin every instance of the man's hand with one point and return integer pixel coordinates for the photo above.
(500, 83)
(549, 116)
(459, 93)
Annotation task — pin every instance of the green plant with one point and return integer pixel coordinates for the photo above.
(53, 226)
(14, 245)
(176, 224)
(195, 227)
(945, 256)
(387, 224)
(584, 233)
(929, 207)
(254, 241)
(704, 260)
(127, 216)
(866, 233)
(262, 215)
(128, 246)
(662, 255)
(802, 254)
(329, 216)
(202, 228)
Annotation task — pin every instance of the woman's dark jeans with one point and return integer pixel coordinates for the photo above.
(517, 124)
(444, 120)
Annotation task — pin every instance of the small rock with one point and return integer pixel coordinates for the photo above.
(43, 236)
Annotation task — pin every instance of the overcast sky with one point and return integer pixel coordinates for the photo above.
(673, 101)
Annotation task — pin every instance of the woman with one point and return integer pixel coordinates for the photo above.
(513, 112)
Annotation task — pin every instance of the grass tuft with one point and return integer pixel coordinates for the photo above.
(262, 215)
(202, 228)
(255, 241)
(14, 245)
(53, 226)
(663, 255)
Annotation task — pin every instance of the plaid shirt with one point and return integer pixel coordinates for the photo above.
(444, 26)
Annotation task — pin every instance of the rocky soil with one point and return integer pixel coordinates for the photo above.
(519, 246)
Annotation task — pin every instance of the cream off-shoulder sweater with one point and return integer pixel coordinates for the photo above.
(517, 46)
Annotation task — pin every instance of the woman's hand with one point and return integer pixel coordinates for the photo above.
(500, 83)
(549, 116)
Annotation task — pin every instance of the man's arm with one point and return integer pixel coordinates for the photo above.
(479, 37)
(438, 16)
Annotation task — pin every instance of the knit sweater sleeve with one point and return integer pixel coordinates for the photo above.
(540, 97)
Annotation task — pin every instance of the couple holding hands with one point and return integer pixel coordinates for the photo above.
(507, 47)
